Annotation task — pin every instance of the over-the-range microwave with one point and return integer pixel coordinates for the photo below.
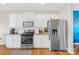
(28, 24)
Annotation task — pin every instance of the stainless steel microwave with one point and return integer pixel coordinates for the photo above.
(28, 24)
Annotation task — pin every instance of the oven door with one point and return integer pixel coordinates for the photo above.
(26, 40)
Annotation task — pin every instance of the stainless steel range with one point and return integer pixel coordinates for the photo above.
(27, 39)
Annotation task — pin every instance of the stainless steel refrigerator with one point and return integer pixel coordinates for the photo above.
(57, 30)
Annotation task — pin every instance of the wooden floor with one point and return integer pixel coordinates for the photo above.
(35, 51)
(44, 51)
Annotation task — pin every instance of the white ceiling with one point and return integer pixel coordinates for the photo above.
(51, 7)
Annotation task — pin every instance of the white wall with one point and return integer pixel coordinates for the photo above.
(4, 18)
(67, 15)
(4, 22)
(75, 6)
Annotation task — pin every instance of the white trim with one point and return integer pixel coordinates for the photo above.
(71, 52)
(1, 42)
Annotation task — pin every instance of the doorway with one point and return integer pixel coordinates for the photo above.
(76, 30)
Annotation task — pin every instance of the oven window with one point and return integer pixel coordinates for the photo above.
(27, 40)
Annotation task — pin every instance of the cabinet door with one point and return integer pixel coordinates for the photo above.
(19, 19)
(28, 16)
(17, 41)
(36, 42)
(15, 20)
(9, 41)
(12, 21)
(41, 20)
(41, 41)
(45, 42)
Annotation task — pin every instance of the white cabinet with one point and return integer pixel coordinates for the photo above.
(28, 16)
(12, 20)
(41, 20)
(15, 20)
(9, 41)
(13, 41)
(41, 41)
(19, 20)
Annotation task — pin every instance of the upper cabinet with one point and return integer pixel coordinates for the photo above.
(15, 20)
(28, 16)
(12, 20)
(19, 18)
(40, 20)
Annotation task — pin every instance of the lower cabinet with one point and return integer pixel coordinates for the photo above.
(13, 41)
(41, 41)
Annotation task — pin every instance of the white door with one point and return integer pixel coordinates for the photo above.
(13, 41)
(44, 41)
(12, 20)
(28, 16)
(17, 41)
(19, 18)
(41, 41)
(9, 41)
(36, 41)
(41, 20)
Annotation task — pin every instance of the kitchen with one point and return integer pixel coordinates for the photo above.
(40, 29)
(32, 21)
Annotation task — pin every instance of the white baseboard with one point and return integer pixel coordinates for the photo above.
(71, 52)
(2, 43)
